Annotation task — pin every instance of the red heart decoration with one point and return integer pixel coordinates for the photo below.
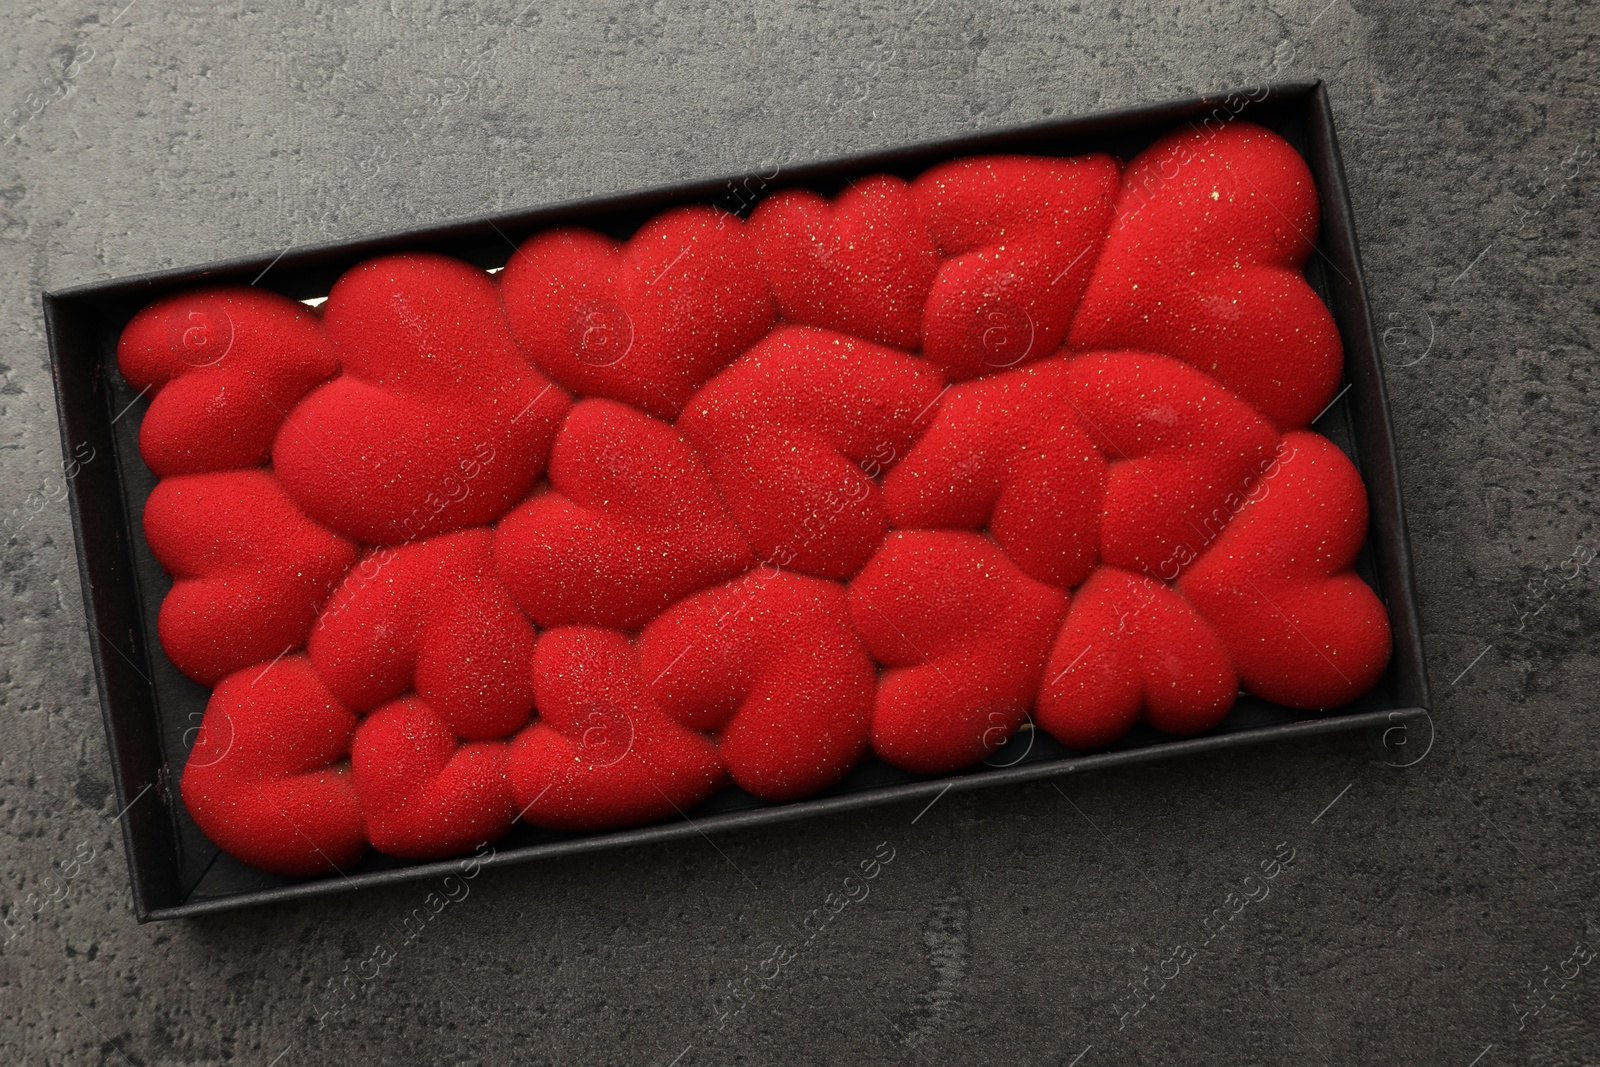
(437, 422)
(1024, 233)
(603, 753)
(795, 434)
(1007, 453)
(250, 571)
(1186, 455)
(426, 794)
(964, 635)
(432, 616)
(225, 364)
(646, 322)
(1130, 646)
(265, 779)
(1204, 264)
(770, 662)
(1278, 586)
(631, 525)
(861, 264)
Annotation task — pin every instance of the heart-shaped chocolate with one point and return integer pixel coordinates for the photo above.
(1024, 234)
(603, 753)
(964, 635)
(431, 617)
(1186, 455)
(631, 524)
(426, 793)
(225, 365)
(267, 777)
(437, 423)
(1301, 626)
(770, 663)
(861, 264)
(795, 434)
(1204, 264)
(646, 321)
(1133, 646)
(1007, 453)
(250, 571)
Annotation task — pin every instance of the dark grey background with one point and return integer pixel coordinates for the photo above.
(1423, 908)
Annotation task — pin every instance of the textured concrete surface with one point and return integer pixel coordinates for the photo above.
(1426, 910)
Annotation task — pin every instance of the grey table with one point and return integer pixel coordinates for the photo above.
(1426, 905)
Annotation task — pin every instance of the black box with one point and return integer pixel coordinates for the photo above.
(151, 711)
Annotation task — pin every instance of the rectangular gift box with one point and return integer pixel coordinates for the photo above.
(152, 712)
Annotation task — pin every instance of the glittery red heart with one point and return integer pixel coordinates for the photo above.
(861, 264)
(1280, 587)
(603, 752)
(771, 665)
(964, 635)
(795, 434)
(1204, 264)
(646, 321)
(1024, 234)
(1132, 647)
(631, 524)
(267, 777)
(425, 792)
(250, 571)
(437, 423)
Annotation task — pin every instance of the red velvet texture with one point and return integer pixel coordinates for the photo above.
(1019, 441)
